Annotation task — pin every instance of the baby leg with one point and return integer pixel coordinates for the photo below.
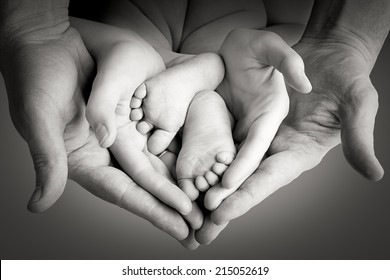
(207, 147)
(165, 98)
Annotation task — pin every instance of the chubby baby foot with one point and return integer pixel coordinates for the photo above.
(207, 147)
(147, 170)
(162, 101)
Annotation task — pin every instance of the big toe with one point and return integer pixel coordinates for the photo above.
(160, 140)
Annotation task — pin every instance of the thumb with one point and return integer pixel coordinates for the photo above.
(101, 108)
(357, 131)
(274, 51)
(49, 156)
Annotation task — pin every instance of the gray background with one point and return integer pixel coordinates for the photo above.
(329, 212)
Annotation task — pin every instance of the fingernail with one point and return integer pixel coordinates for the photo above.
(101, 133)
(36, 196)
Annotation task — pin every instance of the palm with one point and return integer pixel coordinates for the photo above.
(343, 103)
(45, 86)
(341, 108)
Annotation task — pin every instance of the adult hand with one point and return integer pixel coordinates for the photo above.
(341, 108)
(46, 73)
(258, 64)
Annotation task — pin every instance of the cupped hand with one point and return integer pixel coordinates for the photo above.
(45, 78)
(258, 64)
(341, 109)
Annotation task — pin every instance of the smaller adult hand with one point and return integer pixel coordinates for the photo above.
(258, 63)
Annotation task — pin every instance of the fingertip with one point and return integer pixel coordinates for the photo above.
(186, 206)
(51, 171)
(105, 136)
(33, 204)
(209, 231)
(181, 233)
(40, 200)
(190, 243)
(378, 174)
(305, 86)
(373, 172)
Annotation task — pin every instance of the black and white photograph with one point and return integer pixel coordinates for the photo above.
(194, 130)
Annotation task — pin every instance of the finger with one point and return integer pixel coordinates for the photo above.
(190, 242)
(274, 172)
(215, 195)
(46, 143)
(195, 217)
(271, 49)
(119, 73)
(258, 140)
(140, 168)
(101, 108)
(116, 187)
(357, 132)
(209, 231)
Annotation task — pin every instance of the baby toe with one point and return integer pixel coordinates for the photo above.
(136, 114)
(135, 103)
(140, 92)
(144, 127)
(211, 178)
(201, 184)
(225, 157)
(219, 168)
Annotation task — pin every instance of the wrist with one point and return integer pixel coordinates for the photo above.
(346, 37)
(32, 21)
(363, 25)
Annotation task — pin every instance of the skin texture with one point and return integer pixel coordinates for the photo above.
(345, 113)
(124, 61)
(165, 98)
(50, 72)
(342, 110)
(258, 64)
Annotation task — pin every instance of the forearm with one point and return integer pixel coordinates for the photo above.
(366, 23)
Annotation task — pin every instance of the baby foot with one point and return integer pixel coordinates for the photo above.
(147, 170)
(162, 101)
(207, 147)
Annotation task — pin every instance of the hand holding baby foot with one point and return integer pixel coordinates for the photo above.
(122, 65)
(258, 64)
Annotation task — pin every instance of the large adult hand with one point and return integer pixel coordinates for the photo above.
(45, 75)
(341, 108)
